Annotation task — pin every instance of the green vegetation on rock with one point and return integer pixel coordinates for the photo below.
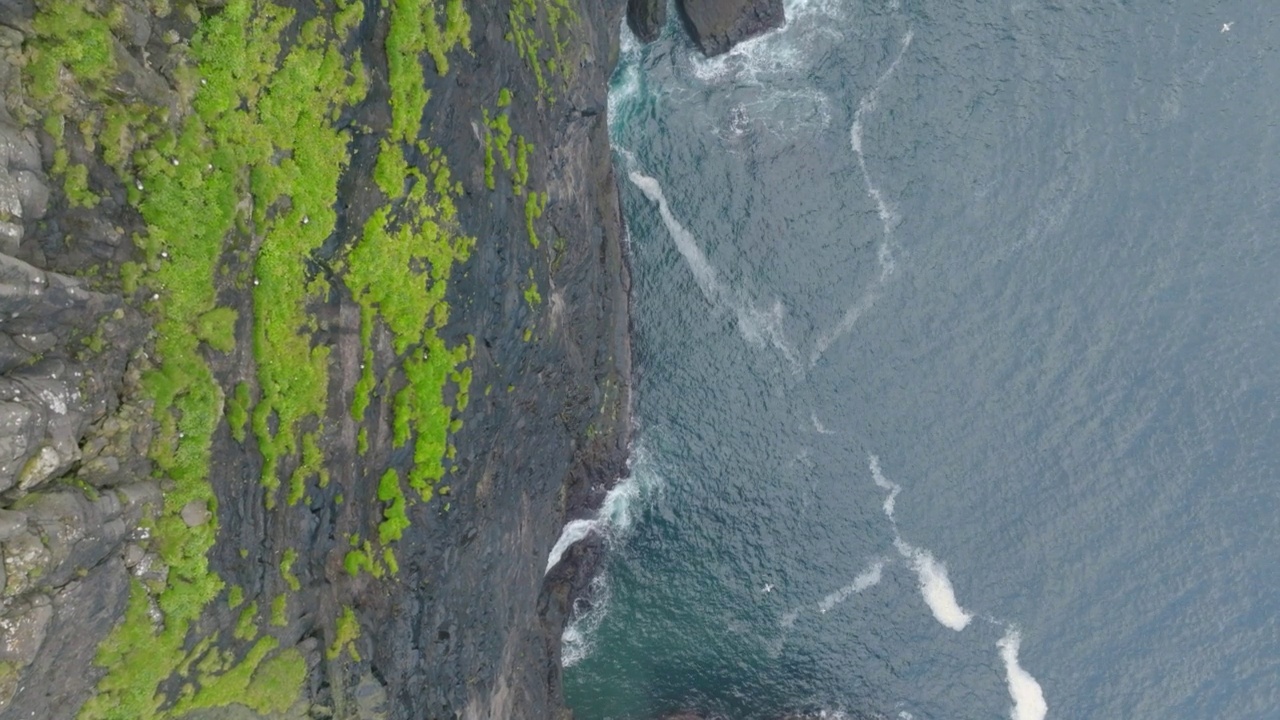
(525, 34)
(286, 570)
(394, 518)
(279, 610)
(260, 127)
(238, 411)
(345, 633)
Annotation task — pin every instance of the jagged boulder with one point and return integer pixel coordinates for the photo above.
(646, 18)
(718, 25)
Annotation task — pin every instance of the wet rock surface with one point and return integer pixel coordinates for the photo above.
(646, 18)
(718, 25)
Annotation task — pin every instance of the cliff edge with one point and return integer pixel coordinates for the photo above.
(313, 334)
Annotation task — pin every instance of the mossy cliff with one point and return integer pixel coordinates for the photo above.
(313, 331)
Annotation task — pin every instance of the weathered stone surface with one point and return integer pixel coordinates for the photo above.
(23, 193)
(23, 629)
(717, 25)
(62, 675)
(44, 415)
(11, 523)
(646, 18)
(196, 513)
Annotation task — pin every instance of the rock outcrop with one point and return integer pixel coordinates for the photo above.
(646, 18)
(718, 25)
(445, 614)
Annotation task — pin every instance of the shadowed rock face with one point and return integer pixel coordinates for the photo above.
(718, 25)
(646, 18)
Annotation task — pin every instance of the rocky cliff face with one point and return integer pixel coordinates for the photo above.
(313, 333)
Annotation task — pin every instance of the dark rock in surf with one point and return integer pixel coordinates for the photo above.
(646, 18)
(718, 25)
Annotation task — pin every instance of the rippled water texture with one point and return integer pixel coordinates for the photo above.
(957, 344)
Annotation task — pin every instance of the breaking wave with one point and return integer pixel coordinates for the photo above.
(613, 521)
(616, 513)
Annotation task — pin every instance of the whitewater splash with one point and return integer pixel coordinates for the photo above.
(884, 210)
(578, 639)
(755, 325)
(773, 52)
(612, 520)
(939, 595)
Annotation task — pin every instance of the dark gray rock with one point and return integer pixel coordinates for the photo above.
(718, 25)
(84, 611)
(646, 18)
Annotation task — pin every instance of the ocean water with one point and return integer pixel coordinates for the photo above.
(957, 334)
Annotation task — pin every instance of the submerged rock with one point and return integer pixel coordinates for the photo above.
(718, 25)
(646, 18)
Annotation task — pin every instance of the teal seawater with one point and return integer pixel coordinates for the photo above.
(957, 334)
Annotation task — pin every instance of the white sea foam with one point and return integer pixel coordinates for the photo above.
(1028, 698)
(789, 618)
(616, 513)
(573, 531)
(779, 51)
(850, 318)
(613, 520)
(936, 589)
(759, 327)
(703, 273)
(935, 586)
(578, 639)
(867, 578)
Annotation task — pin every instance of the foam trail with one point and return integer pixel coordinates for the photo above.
(866, 579)
(703, 273)
(884, 210)
(847, 321)
(936, 587)
(884, 484)
(757, 326)
(1028, 698)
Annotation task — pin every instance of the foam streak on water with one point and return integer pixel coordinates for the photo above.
(1028, 698)
(935, 587)
(940, 597)
(756, 326)
(888, 216)
(866, 579)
